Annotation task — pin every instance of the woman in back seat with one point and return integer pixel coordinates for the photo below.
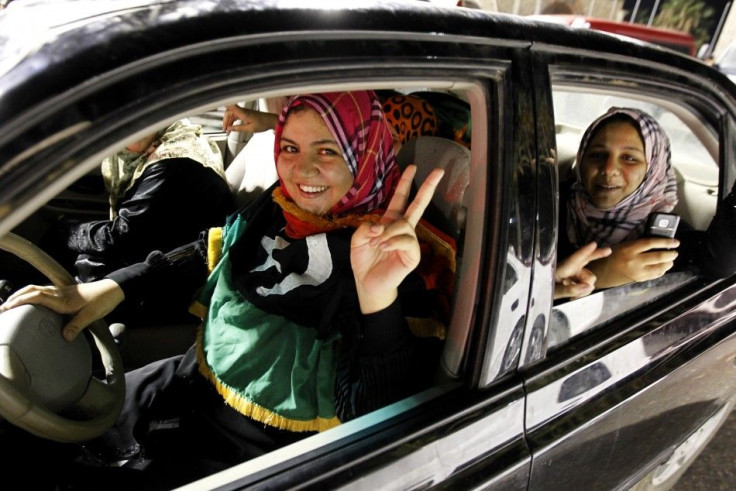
(622, 175)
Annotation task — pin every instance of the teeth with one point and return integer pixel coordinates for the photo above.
(313, 189)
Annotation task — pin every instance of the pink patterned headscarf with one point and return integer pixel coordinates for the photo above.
(625, 221)
(357, 122)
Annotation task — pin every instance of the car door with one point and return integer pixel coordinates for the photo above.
(468, 429)
(631, 382)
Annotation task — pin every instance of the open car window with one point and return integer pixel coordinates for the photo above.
(455, 195)
(695, 161)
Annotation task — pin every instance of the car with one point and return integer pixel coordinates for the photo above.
(619, 389)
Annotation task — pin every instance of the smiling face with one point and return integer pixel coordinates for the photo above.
(614, 164)
(310, 163)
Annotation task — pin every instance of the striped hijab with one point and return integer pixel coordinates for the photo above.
(625, 221)
(357, 122)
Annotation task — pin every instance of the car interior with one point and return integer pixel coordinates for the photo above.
(695, 157)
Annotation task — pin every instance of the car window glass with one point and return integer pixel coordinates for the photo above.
(697, 178)
(447, 215)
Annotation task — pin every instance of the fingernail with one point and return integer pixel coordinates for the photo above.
(68, 334)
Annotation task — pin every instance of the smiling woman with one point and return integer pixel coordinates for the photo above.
(309, 162)
(296, 345)
(625, 175)
(303, 328)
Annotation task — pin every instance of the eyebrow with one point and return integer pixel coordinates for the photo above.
(599, 145)
(316, 142)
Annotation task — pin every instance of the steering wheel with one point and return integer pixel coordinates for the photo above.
(103, 400)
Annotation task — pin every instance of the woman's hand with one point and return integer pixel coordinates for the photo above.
(572, 279)
(250, 120)
(87, 302)
(383, 254)
(635, 260)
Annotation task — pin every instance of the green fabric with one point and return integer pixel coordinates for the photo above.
(263, 358)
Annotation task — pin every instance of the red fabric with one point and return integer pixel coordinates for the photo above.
(357, 122)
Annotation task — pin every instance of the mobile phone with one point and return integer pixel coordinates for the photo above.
(661, 225)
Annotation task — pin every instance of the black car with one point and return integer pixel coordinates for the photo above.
(618, 389)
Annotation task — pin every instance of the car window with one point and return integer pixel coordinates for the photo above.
(453, 109)
(696, 170)
(695, 165)
(138, 348)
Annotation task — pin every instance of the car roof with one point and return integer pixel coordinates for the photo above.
(29, 26)
(53, 48)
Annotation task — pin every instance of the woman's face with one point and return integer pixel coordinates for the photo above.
(310, 163)
(614, 164)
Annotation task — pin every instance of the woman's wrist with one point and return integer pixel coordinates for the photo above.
(372, 303)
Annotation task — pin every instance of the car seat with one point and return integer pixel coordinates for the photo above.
(448, 211)
(253, 170)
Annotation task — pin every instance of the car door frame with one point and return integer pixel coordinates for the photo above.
(460, 434)
(591, 399)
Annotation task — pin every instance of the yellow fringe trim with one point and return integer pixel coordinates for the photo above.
(214, 248)
(253, 410)
(427, 327)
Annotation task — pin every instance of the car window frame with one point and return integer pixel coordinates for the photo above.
(631, 79)
(477, 76)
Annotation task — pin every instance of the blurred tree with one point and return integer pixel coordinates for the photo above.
(691, 16)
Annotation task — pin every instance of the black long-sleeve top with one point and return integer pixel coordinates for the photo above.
(381, 361)
(171, 202)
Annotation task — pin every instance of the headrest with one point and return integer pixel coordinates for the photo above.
(429, 152)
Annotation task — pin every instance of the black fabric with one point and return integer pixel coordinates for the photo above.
(169, 205)
(179, 272)
(380, 360)
(299, 304)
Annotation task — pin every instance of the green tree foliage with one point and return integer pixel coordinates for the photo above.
(691, 16)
